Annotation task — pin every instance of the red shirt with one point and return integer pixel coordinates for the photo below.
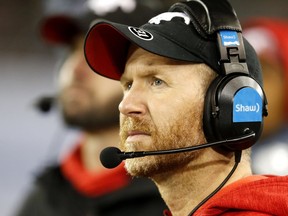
(251, 196)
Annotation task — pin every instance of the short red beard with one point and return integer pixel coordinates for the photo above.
(184, 130)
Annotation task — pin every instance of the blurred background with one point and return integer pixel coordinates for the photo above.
(29, 138)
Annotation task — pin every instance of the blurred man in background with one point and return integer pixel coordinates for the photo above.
(80, 185)
(269, 37)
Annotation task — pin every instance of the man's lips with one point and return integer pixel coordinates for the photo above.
(136, 135)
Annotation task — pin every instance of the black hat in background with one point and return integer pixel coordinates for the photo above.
(61, 28)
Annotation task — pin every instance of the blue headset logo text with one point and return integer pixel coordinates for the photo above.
(247, 106)
(229, 38)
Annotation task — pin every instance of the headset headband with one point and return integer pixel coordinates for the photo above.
(210, 18)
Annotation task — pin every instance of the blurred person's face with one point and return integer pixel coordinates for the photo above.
(161, 109)
(88, 100)
(274, 87)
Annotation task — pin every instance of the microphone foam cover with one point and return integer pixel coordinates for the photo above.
(110, 157)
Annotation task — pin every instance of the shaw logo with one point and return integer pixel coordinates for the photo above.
(247, 106)
(229, 38)
(253, 108)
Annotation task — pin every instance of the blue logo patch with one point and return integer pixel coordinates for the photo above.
(247, 106)
(229, 38)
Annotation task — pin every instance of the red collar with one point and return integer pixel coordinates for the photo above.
(90, 183)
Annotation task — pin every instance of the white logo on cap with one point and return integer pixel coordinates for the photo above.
(141, 33)
(168, 16)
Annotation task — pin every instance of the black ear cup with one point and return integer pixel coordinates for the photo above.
(233, 107)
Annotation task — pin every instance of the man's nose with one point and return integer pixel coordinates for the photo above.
(133, 103)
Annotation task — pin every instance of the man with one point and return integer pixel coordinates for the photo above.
(269, 38)
(80, 185)
(177, 97)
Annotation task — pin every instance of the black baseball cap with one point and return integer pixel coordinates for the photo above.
(169, 34)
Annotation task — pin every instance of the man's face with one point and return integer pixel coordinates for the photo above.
(161, 109)
(88, 100)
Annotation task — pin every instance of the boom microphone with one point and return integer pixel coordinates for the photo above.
(111, 157)
(45, 103)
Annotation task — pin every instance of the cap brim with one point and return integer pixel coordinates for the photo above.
(105, 49)
(107, 43)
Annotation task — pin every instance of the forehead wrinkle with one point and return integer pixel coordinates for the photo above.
(152, 70)
(143, 64)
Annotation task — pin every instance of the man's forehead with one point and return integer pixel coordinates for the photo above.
(143, 63)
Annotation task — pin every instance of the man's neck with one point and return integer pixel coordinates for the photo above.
(184, 189)
(92, 145)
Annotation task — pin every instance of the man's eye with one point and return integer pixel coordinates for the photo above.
(157, 82)
(127, 86)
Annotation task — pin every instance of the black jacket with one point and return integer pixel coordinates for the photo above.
(53, 195)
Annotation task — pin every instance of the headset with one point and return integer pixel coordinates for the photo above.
(235, 102)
